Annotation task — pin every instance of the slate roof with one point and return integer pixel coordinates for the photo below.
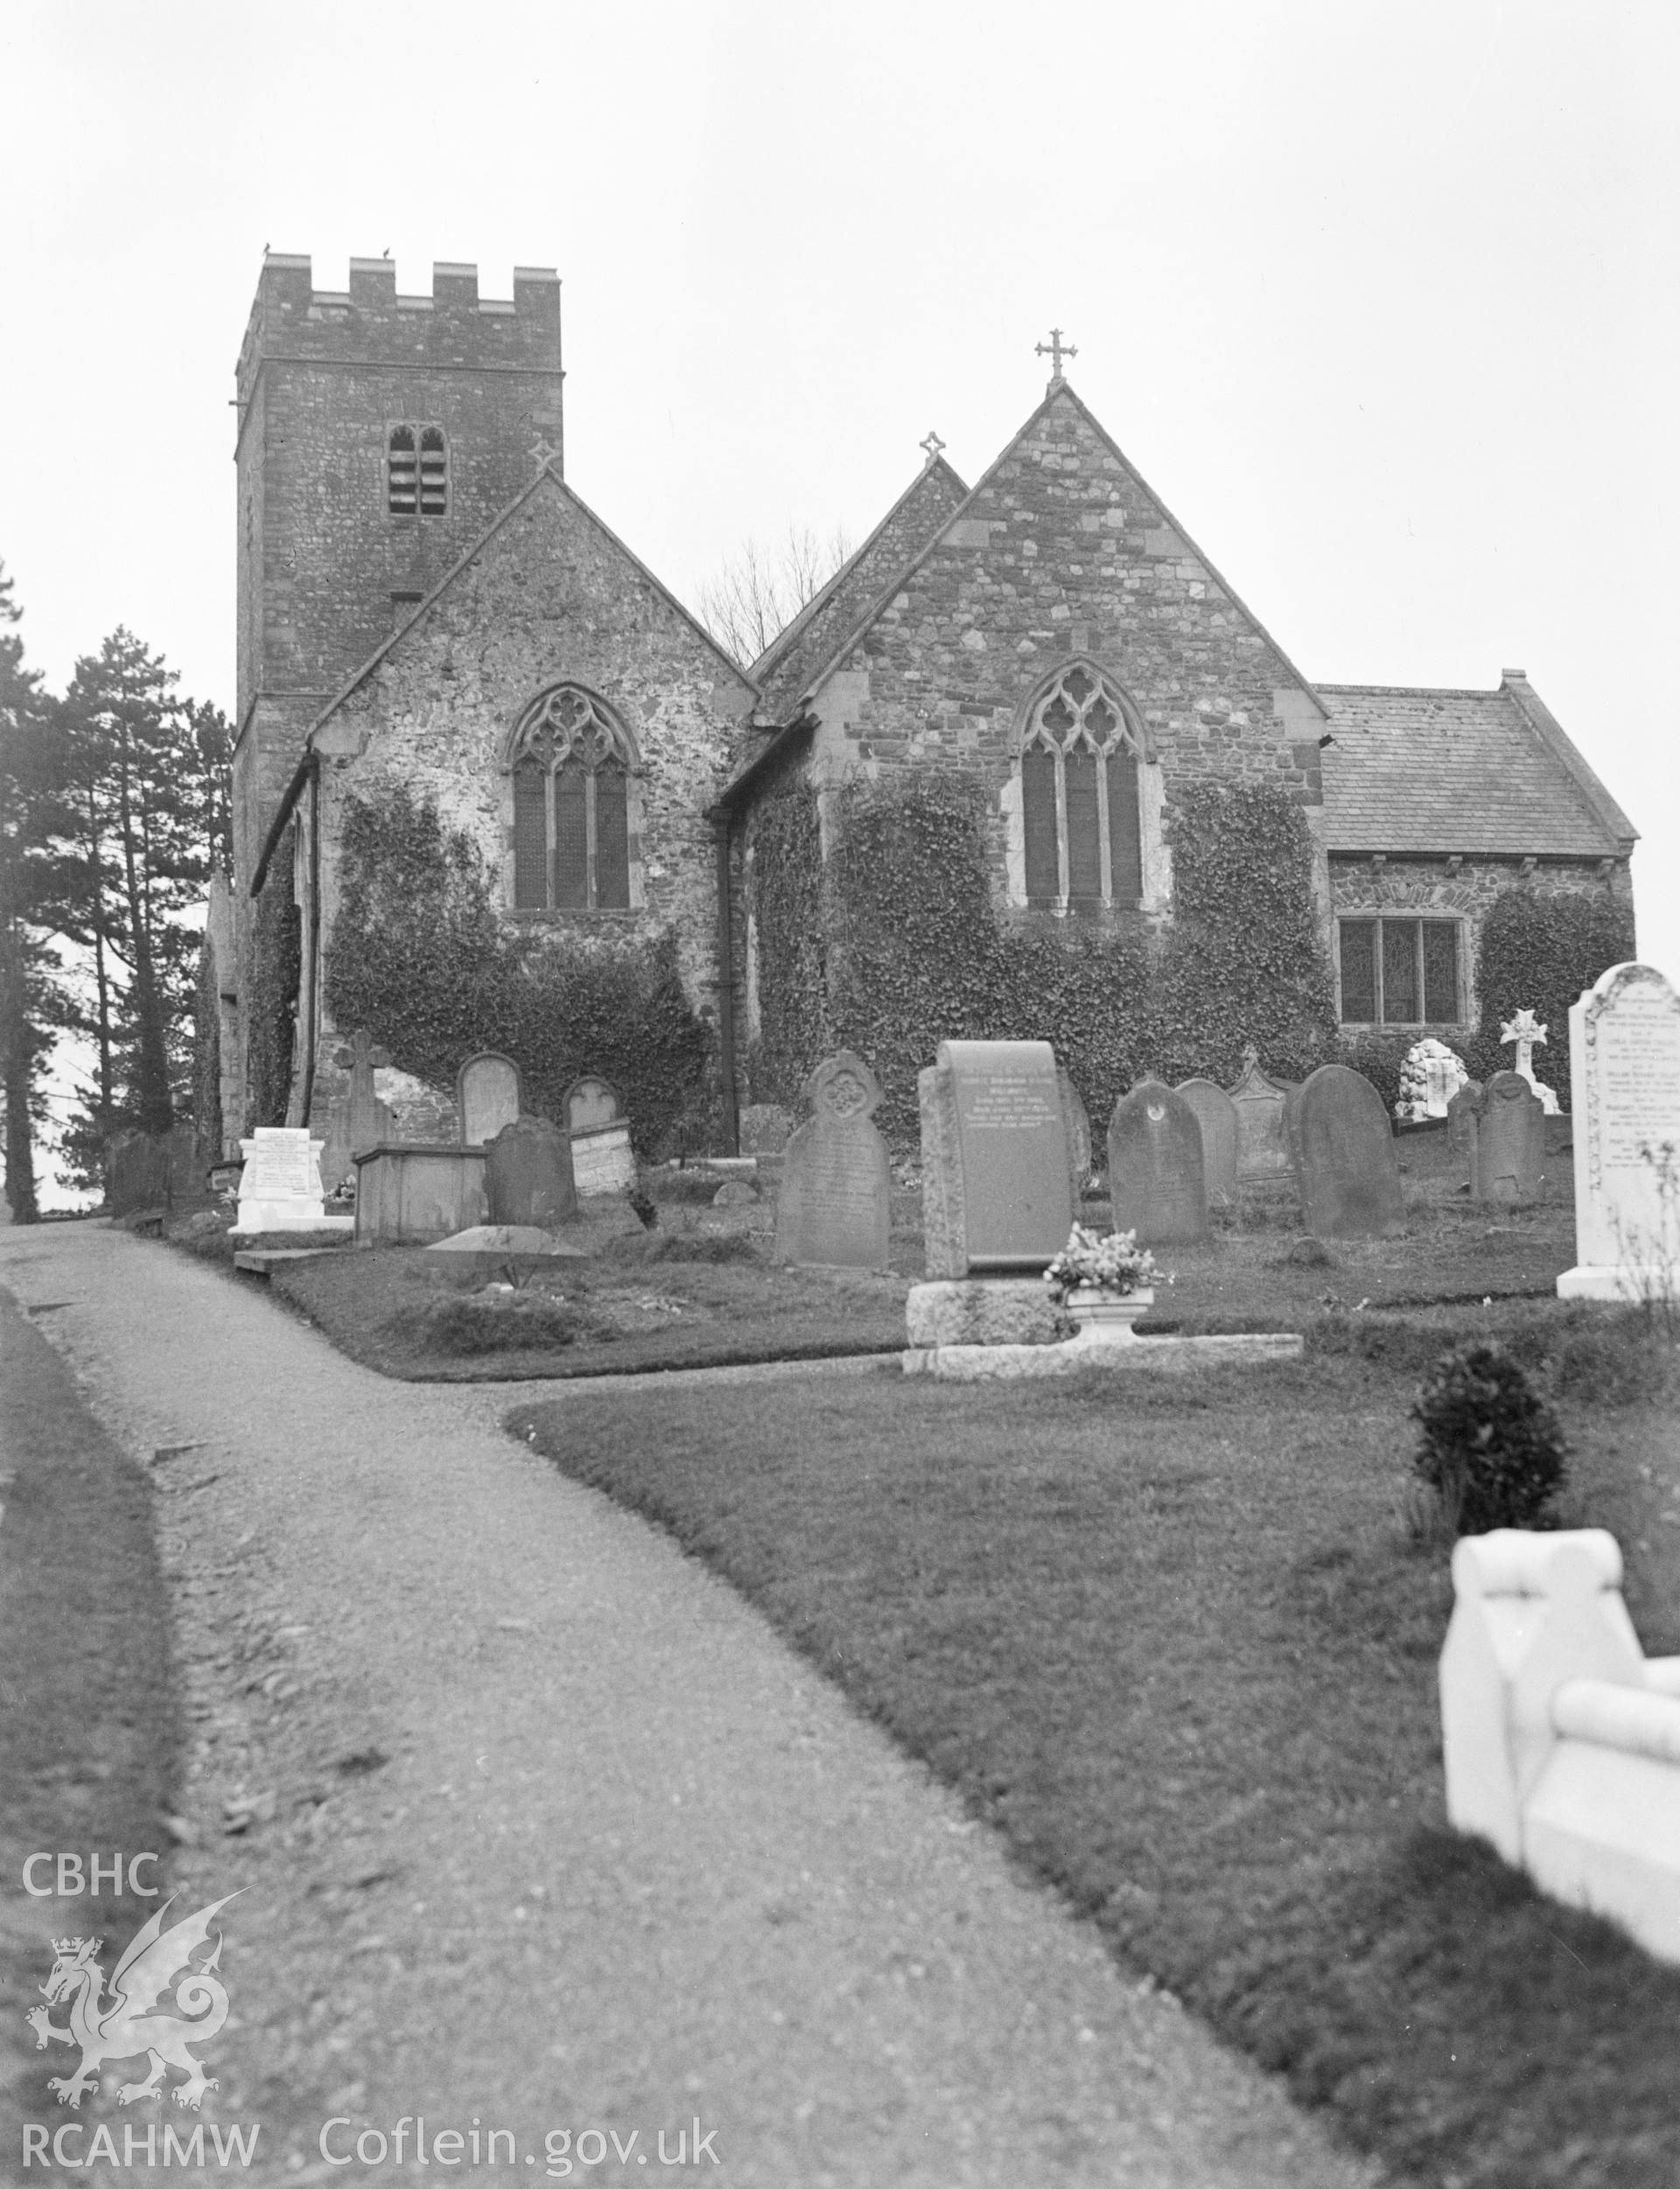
(1466, 772)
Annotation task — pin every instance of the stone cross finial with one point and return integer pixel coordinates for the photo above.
(933, 447)
(1056, 349)
(1526, 1032)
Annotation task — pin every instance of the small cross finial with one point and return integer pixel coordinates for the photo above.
(934, 445)
(1056, 349)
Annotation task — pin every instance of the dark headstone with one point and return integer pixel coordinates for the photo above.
(834, 1206)
(996, 1190)
(1510, 1161)
(136, 1172)
(1076, 1123)
(358, 1121)
(764, 1129)
(1216, 1114)
(1262, 1135)
(1462, 1110)
(486, 1098)
(528, 1174)
(1157, 1181)
(1348, 1176)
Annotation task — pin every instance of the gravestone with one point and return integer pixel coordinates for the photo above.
(1216, 1114)
(834, 1206)
(590, 1103)
(1262, 1135)
(1157, 1177)
(1430, 1077)
(764, 1128)
(1462, 1115)
(486, 1098)
(280, 1186)
(1509, 1160)
(358, 1120)
(1624, 1078)
(528, 1176)
(1525, 1033)
(602, 1159)
(1348, 1176)
(136, 1172)
(1076, 1123)
(996, 1190)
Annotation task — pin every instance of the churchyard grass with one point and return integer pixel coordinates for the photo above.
(1172, 1638)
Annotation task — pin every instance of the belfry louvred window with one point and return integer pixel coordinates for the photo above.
(1079, 795)
(416, 471)
(571, 767)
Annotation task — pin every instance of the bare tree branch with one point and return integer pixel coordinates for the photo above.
(757, 594)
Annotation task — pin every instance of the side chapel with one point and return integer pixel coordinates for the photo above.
(425, 604)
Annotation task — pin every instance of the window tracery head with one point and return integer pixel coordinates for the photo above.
(1081, 707)
(568, 724)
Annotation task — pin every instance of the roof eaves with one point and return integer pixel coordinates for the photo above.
(781, 742)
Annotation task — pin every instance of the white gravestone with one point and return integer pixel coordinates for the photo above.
(1526, 1033)
(1625, 1093)
(280, 1186)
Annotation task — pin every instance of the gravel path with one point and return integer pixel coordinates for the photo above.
(541, 1830)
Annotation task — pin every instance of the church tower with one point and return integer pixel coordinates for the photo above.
(378, 436)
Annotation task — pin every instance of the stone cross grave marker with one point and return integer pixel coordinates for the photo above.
(1349, 1178)
(834, 1206)
(1157, 1180)
(996, 1192)
(358, 1120)
(280, 1186)
(1262, 1136)
(1625, 1099)
(1216, 1114)
(488, 1095)
(1509, 1157)
(1525, 1033)
(528, 1175)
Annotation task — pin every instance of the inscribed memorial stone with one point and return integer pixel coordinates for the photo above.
(1349, 1178)
(1625, 1099)
(1508, 1162)
(1216, 1114)
(280, 1186)
(997, 1192)
(1157, 1180)
(835, 1208)
(1463, 1113)
(528, 1176)
(487, 1097)
(590, 1103)
(1262, 1137)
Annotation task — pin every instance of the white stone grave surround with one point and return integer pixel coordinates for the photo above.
(1624, 1094)
(280, 1186)
(1561, 1740)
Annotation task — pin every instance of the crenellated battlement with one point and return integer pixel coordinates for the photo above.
(369, 323)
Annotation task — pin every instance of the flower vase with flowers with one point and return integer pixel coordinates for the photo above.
(1105, 1283)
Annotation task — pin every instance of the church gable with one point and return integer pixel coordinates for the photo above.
(1063, 550)
(554, 701)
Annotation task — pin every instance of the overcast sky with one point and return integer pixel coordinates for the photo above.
(1380, 300)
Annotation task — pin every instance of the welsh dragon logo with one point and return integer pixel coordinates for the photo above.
(124, 2025)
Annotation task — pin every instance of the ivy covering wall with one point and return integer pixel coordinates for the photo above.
(275, 972)
(1537, 954)
(917, 953)
(420, 956)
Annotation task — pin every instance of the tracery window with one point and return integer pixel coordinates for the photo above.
(1079, 794)
(416, 471)
(572, 762)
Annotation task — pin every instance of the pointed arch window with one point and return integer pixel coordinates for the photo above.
(1080, 754)
(572, 761)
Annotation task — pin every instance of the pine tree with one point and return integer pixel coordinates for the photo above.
(37, 883)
